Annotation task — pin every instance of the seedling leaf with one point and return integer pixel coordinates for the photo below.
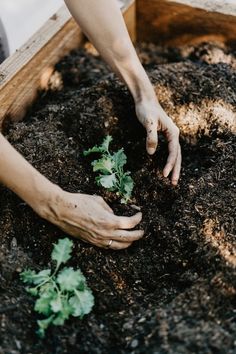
(64, 314)
(31, 277)
(43, 303)
(103, 148)
(43, 325)
(106, 143)
(70, 279)
(82, 302)
(62, 251)
(104, 165)
(55, 291)
(28, 276)
(56, 304)
(119, 159)
(107, 181)
(32, 291)
(111, 168)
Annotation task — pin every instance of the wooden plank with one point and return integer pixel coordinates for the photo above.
(29, 69)
(174, 23)
(21, 74)
(129, 12)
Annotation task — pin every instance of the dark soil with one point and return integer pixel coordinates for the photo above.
(174, 291)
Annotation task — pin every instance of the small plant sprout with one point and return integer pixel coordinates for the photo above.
(111, 169)
(61, 293)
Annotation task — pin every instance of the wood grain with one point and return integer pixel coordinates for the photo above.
(174, 24)
(129, 12)
(27, 71)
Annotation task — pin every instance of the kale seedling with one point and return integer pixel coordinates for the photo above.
(111, 168)
(60, 294)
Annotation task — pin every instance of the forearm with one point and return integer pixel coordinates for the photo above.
(23, 179)
(102, 22)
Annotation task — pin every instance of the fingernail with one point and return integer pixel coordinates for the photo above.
(151, 151)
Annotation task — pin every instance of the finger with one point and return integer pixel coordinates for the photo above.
(126, 236)
(177, 168)
(173, 153)
(102, 202)
(106, 207)
(125, 222)
(119, 245)
(111, 244)
(152, 138)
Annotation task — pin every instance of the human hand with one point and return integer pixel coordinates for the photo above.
(154, 119)
(92, 220)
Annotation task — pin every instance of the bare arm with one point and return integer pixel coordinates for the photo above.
(102, 22)
(23, 179)
(86, 217)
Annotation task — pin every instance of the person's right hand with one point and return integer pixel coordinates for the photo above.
(92, 220)
(154, 119)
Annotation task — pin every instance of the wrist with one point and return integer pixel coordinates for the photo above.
(46, 198)
(137, 80)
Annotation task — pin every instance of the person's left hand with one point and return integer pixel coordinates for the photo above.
(154, 119)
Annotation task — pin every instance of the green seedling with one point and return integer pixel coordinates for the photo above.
(61, 293)
(111, 170)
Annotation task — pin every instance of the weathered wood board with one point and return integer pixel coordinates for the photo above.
(174, 23)
(166, 22)
(29, 69)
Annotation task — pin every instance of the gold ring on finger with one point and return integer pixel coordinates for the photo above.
(109, 244)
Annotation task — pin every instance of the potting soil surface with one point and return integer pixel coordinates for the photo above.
(174, 291)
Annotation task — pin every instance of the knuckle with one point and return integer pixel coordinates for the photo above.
(98, 198)
(123, 238)
(94, 236)
(121, 246)
(137, 218)
(176, 131)
(120, 224)
(151, 144)
(116, 223)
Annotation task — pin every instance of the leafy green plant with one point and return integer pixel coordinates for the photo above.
(111, 169)
(61, 293)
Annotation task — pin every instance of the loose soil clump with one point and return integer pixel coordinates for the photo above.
(173, 291)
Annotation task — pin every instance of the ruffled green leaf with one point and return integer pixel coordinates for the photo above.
(43, 303)
(119, 159)
(28, 276)
(103, 148)
(62, 251)
(43, 325)
(32, 291)
(104, 165)
(64, 314)
(107, 181)
(56, 304)
(126, 187)
(70, 279)
(31, 277)
(82, 302)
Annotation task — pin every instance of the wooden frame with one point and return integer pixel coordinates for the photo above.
(173, 23)
(29, 69)
(160, 21)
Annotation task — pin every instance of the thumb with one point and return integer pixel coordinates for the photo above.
(152, 139)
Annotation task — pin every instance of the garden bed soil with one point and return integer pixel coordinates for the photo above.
(174, 291)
